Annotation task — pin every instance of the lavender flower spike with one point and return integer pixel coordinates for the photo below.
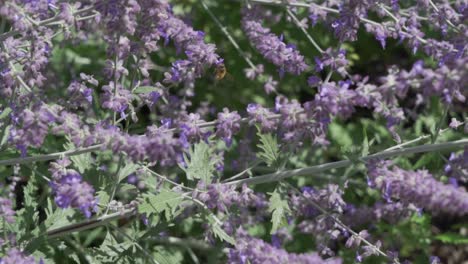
(286, 57)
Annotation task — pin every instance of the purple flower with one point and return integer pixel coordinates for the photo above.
(419, 188)
(313, 81)
(70, 190)
(316, 14)
(286, 57)
(454, 123)
(270, 85)
(80, 95)
(34, 126)
(261, 116)
(335, 59)
(162, 147)
(256, 251)
(190, 131)
(6, 210)
(228, 125)
(115, 97)
(15, 256)
(200, 55)
(457, 166)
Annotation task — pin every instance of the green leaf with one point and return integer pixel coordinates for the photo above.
(5, 135)
(5, 113)
(279, 208)
(83, 161)
(365, 144)
(167, 256)
(218, 231)
(425, 160)
(166, 201)
(146, 89)
(129, 168)
(340, 134)
(201, 164)
(452, 238)
(269, 149)
(103, 196)
(28, 216)
(76, 58)
(125, 187)
(57, 217)
(111, 250)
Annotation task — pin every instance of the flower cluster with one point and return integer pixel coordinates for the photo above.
(124, 89)
(16, 256)
(457, 166)
(228, 125)
(419, 188)
(70, 190)
(6, 210)
(253, 250)
(286, 57)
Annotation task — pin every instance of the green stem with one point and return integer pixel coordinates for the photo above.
(278, 176)
(52, 156)
(143, 250)
(272, 177)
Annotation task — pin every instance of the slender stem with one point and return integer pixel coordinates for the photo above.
(446, 20)
(423, 137)
(46, 22)
(115, 183)
(228, 35)
(15, 72)
(97, 147)
(240, 174)
(327, 9)
(143, 250)
(52, 156)
(309, 37)
(338, 221)
(187, 243)
(281, 175)
(164, 178)
(439, 124)
(88, 224)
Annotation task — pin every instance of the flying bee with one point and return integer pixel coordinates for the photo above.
(220, 71)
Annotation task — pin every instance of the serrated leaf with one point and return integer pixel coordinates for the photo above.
(218, 231)
(5, 135)
(425, 160)
(279, 208)
(129, 168)
(77, 58)
(146, 89)
(28, 216)
(200, 163)
(5, 113)
(103, 196)
(452, 238)
(83, 161)
(164, 256)
(166, 201)
(221, 234)
(340, 135)
(269, 149)
(57, 217)
(125, 187)
(111, 248)
(365, 144)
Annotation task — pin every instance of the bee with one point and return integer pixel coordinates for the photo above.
(220, 71)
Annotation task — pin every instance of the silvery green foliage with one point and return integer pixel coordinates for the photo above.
(157, 131)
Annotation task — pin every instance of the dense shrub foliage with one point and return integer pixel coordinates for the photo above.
(257, 131)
